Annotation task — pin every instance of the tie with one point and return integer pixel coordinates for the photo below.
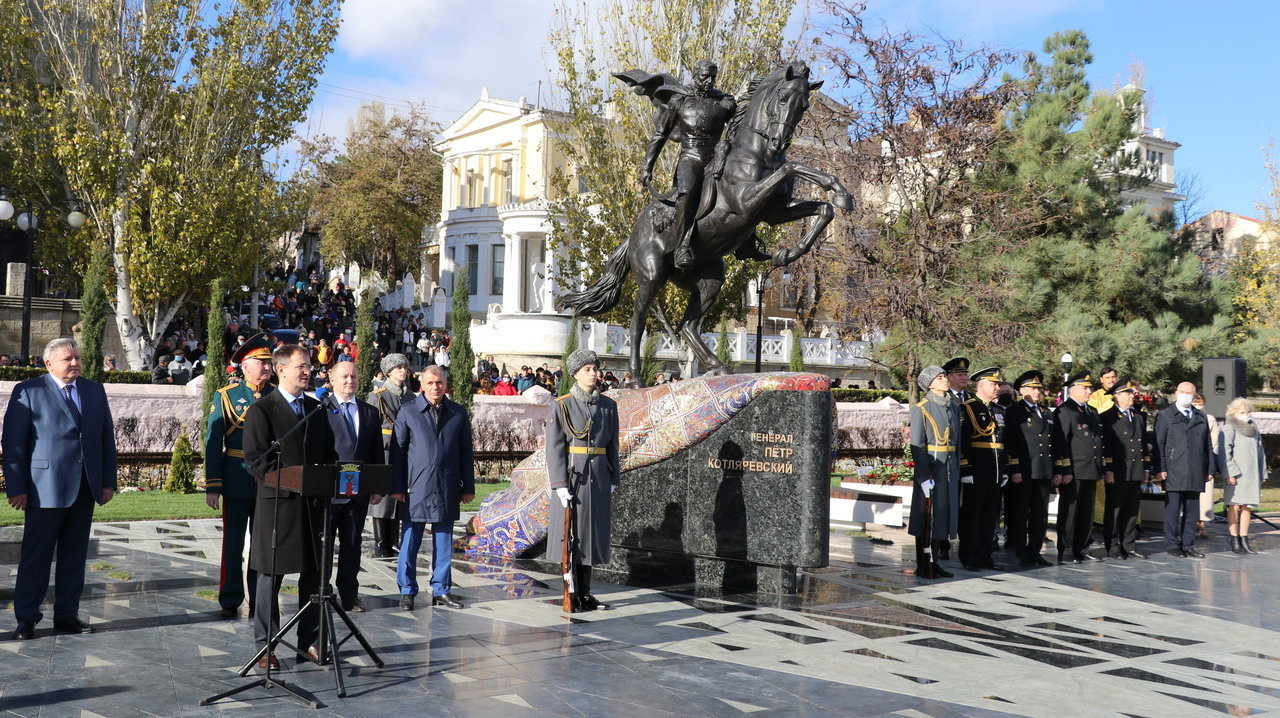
(1188, 413)
(71, 404)
(297, 407)
(347, 407)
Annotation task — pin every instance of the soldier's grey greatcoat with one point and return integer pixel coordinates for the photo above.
(935, 433)
(583, 457)
(387, 399)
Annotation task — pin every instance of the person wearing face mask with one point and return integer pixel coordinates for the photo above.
(1244, 462)
(1185, 456)
(1029, 431)
(1126, 437)
(935, 430)
(1082, 459)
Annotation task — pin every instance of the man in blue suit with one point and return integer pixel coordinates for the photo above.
(357, 431)
(59, 458)
(431, 472)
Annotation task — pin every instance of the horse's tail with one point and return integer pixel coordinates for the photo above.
(604, 294)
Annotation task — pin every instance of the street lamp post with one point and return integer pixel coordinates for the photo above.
(29, 223)
(1067, 361)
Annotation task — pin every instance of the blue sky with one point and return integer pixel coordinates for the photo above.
(1211, 68)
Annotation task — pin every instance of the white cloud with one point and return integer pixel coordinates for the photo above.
(388, 29)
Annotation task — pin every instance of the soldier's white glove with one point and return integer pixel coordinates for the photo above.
(966, 479)
(926, 486)
(564, 496)
(612, 488)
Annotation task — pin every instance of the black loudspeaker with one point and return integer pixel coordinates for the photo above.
(1224, 380)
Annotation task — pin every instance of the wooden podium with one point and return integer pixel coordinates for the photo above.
(332, 480)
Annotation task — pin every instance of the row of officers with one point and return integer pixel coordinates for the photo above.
(971, 454)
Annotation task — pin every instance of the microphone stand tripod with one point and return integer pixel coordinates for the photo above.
(323, 600)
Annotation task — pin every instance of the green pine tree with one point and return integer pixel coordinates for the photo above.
(182, 468)
(722, 346)
(650, 367)
(364, 341)
(93, 314)
(215, 375)
(462, 360)
(570, 346)
(1112, 283)
(796, 361)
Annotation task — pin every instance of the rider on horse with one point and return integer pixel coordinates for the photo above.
(695, 116)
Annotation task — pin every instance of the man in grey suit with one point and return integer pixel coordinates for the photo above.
(59, 458)
(357, 432)
(431, 473)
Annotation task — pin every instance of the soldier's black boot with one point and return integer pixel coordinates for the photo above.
(586, 601)
(924, 559)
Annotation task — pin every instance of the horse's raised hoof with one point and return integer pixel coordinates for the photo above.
(779, 258)
(843, 201)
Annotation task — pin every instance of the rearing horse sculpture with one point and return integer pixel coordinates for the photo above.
(756, 186)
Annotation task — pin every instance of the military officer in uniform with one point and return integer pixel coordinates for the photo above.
(387, 399)
(227, 482)
(1129, 446)
(1081, 456)
(583, 471)
(957, 371)
(982, 472)
(935, 427)
(1028, 444)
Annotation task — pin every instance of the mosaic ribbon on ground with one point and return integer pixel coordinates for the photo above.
(656, 423)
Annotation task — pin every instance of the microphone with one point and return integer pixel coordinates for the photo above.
(330, 402)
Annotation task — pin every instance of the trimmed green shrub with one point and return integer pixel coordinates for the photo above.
(868, 395)
(182, 468)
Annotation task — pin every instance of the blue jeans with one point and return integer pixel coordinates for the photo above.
(441, 557)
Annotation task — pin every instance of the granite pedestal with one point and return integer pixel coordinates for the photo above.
(740, 510)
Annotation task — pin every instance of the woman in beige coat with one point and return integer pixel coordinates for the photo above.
(1244, 464)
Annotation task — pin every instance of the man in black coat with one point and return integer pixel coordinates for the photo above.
(1184, 455)
(982, 472)
(1082, 458)
(1128, 445)
(1029, 430)
(295, 520)
(357, 430)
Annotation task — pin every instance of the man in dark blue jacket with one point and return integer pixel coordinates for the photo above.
(59, 460)
(431, 473)
(1185, 456)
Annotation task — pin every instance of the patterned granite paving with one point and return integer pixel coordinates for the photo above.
(1161, 637)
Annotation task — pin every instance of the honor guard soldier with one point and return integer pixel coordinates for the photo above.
(387, 399)
(225, 476)
(1081, 456)
(957, 371)
(982, 472)
(1028, 443)
(1129, 446)
(583, 470)
(935, 426)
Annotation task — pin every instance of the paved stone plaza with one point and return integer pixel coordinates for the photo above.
(1161, 637)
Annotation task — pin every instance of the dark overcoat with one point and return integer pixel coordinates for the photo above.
(299, 518)
(431, 460)
(1127, 443)
(1028, 442)
(1184, 448)
(589, 476)
(935, 436)
(387, 400)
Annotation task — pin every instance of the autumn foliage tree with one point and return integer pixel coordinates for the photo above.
(375, 193)
(162, 118)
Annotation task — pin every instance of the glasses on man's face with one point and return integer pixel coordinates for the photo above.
(299, 367)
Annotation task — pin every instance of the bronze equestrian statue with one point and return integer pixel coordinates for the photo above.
(682, 236)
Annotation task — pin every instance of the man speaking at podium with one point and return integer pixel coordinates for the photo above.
(297, 519)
